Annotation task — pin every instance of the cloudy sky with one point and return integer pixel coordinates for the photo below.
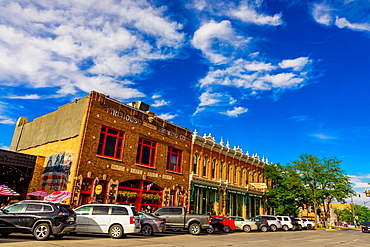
(277, 78)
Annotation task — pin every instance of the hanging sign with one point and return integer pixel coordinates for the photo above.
(98, 189)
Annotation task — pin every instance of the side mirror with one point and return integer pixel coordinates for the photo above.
(5, 211)
(156, 213)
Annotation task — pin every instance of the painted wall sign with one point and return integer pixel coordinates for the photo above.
(56, 173)
(98, 189)
(152, 174)
(167, 177)
(136, 171)
(123, 116)
(117, 167)
(171, 133)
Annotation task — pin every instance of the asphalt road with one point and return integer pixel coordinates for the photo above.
(304, 238)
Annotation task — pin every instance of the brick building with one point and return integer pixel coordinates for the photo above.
(226, 180)
(107, 151)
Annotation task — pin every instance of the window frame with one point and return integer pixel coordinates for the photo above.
(118, 146)
(152, 152)
(196, 163)
(178, 154)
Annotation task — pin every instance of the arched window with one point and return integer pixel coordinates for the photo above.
(221, 170)
(247, 176)
(228, 173)
(205, 160)
(214, 168)
(195, 163)
(253, 176)
(235, 174)
(241, 177)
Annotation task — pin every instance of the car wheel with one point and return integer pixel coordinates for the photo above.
(263, 228)
(273, 228)
(42, 232)
(116, 231)
(285, 227)
(299, 228)
(309, 227)
(226, 229)
(58, 236)
(210, 230)
(147, 230)
(5, 234)
(295, 228)
(195, 229)
(247, 228)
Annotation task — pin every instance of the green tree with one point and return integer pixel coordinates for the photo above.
(309, 181)
(324, 180)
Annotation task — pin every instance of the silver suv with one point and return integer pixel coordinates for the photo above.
(273, 221)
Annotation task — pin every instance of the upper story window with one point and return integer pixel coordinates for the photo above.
(146, 152)
(174, 159)
(214, 169)
(205, 160)
(110, 143)
(195, 163)
(235, 174)
(241, 178)
(247, 177)
(228, 173)
(221, 168)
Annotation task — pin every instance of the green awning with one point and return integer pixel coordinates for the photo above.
(205, 186)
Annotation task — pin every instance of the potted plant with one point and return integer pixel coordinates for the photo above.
(151, 196)
(157, 196)
(134, 194)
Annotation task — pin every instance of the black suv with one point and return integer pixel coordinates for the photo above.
(37, 217)
(365, 227)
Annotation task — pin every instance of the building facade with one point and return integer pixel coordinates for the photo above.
(109, 152)
(225, 180)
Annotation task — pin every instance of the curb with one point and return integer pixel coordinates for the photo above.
(324, 229)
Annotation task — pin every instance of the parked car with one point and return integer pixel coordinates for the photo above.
(262, 224)
(287, 223)
(297, 223)
(222, 223)
(151, 224)
(176, 218)
(308, 223)
(116, 220)
(365, 227)
(273, 222)
(38, 218)
(243, 224)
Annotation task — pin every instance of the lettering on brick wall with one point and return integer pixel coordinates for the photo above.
(171, 133)
(152, 174)
(123, 116)
(136, 171)
(118, 168)
(167, 177)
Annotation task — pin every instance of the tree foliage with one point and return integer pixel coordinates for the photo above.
(348, 214)
(309, 181)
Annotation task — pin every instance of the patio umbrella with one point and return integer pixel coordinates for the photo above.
(41, 193)
(58, 196)
(6, 191)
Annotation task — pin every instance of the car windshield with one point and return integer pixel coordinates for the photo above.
(366, 223)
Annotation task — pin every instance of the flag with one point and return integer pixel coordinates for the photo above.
(149, 186)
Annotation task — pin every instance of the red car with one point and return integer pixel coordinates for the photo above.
(222, 223)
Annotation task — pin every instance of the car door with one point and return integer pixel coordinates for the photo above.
(9, 216)
(99, 219)
(30, 214)
(82, 218)
(164, 213)
(176, 217)
(120, 215)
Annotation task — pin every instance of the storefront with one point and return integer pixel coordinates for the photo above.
(203, 198)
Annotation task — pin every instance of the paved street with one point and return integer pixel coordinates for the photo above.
(302, 238)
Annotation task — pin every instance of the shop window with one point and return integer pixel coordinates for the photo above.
(195, 163)
(172, 198)
(102, 197)
(110, 143)
(174, 160)
(146, 152)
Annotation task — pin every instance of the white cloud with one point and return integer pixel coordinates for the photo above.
(321, 12)
(259, 66)
(235, 112)
(156, 96)
(167, 116)
(158, 103)
(302, 118)
(6, 120)
(283, 80)
(4, 147)
(248, 14)
(62, 44)
(217, 41)
(207, 98)
(296, 64)
(27, 96)
(323, 137)
(344, 23)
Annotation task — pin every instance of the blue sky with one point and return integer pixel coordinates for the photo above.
(277, 78)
